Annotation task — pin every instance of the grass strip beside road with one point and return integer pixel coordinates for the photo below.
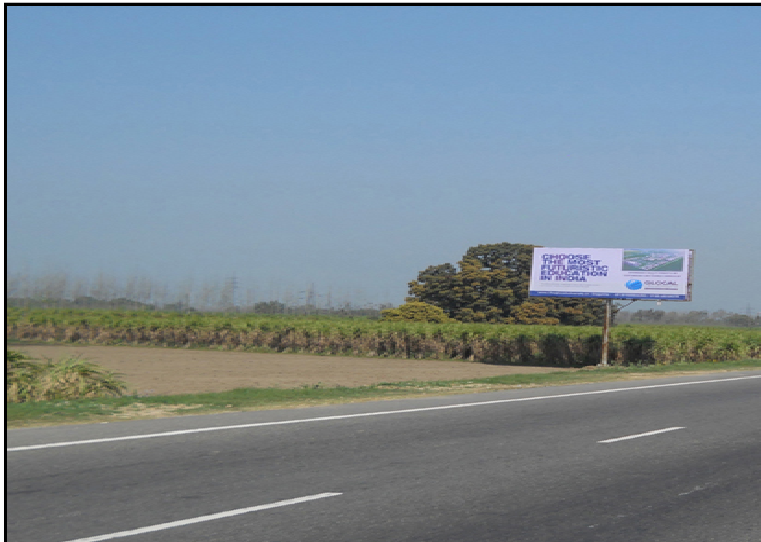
(46, 413)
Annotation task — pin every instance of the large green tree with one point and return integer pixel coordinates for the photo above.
(491, 283)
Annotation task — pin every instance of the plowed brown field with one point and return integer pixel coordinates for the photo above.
(165, 371)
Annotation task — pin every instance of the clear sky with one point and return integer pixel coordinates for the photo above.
(352, 147)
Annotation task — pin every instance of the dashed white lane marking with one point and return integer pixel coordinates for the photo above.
(698, 488)
(366, 414)
(647, 434)
(201, 519)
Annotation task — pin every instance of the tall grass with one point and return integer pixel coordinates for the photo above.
(69, 378)
(502, 344)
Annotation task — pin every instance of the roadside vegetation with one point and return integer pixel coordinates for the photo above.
(28, 380)
(551, 345)
(113, 409)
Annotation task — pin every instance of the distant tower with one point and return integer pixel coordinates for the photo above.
(230, 293)
(311, 297)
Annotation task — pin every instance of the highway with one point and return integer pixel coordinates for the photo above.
(673, 459)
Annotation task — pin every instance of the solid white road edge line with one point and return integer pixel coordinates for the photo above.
(649, 433)
(366, 414)
(200, 519)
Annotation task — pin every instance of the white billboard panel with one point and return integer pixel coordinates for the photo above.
(612, 273)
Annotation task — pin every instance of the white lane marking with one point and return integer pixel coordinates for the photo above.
(698, 488)
(649, 433)
(366, 414)
(200, 519)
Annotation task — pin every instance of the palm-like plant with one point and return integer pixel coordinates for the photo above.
(74, 377)
(69, 378)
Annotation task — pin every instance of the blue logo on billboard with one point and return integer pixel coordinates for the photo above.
(634, 284)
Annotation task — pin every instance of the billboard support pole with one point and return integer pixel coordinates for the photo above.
(605, 333)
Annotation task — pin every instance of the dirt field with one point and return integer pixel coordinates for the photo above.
(164, 371)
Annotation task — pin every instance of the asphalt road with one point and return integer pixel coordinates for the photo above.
(674, 459)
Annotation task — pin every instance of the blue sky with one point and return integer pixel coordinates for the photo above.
(352, 147)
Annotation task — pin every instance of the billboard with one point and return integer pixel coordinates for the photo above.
(612, 273)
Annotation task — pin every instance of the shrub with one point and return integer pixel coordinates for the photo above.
(21, 376)
(416, 311)
(69, 378)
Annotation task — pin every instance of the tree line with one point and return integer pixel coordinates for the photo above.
(692, 318)
(141, 293)
(489, 284)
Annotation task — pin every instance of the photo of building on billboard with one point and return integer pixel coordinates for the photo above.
(637, 259)
(612, 273)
